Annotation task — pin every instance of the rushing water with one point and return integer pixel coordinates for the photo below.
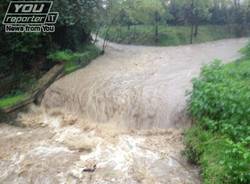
(139, 87)
(68, 139)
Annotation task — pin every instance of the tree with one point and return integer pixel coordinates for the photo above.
(218, 11)
(197, 11)
(129, 12)
(148, 12)
(77, 19)
(21, 51)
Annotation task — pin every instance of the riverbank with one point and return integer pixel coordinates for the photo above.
(219, 138)
(168, 35)
(72, 61)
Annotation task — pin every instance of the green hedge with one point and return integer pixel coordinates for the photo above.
(220, 139)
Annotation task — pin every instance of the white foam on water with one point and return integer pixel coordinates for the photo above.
(120, 156)
(48, 150)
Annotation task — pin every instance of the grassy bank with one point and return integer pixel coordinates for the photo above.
(219, 140)
(11, 100)
(20, 86)
(168, 35)
(75, 60)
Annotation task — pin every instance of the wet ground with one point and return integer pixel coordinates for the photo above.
(92, 126)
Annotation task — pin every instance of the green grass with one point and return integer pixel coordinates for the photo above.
(75, 60)
(12, 100)
(168, 35)
(26, 81)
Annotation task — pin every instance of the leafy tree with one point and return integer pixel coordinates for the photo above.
(218, 12)
(21, 52)
(198, 11)
(150, 11)
(136, 11)
(193, 12)
(77, 19)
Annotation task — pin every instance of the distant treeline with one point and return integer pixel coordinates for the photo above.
(78, 18)
(235, 13)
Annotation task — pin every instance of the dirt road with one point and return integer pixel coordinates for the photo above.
(132, 87)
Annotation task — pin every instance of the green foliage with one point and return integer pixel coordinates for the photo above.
(221, 160)
(26, 52)
(168, 35)
(135, 11)
(74, 25)
(220, 105)
(64, 56)
(221, 99)
(246, 51)
(12, 99)
(145, 10)
(73, 12)
(75, 60)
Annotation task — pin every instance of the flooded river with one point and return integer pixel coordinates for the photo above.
(120, 120)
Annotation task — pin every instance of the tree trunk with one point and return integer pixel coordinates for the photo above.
(96, 34)
(134, 32)
(128, 26)
(196, 30)
(192, 34)
(156, 27)
(156, 33)
(192, 22)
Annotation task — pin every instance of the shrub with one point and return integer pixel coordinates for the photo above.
(221, 160)
(220, 105)
(220, 100)
(75, 60)
(65, 56)
(246, 51)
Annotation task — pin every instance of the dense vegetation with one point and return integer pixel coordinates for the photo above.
(24, 57)
(168, 35)
(161, 22)
(220, 138)
(75, 60)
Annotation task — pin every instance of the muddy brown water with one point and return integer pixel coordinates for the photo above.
(68, 140)
(137, 86)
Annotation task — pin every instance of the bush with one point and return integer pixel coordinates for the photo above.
(75, 60)
(221, 160)
(220, 105)
(64, 56)
(246, 51)
(220, 100)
